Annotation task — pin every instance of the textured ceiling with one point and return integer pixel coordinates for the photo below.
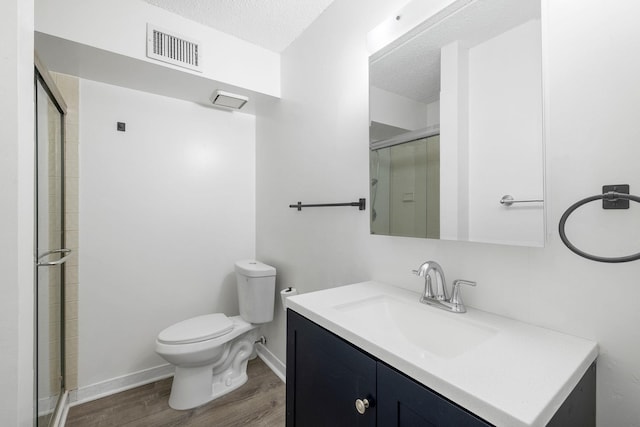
(410, 67)
(272, 24)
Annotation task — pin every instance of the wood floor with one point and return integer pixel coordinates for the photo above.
(258, 403)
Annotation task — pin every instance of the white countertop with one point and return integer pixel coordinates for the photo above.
(518, 376)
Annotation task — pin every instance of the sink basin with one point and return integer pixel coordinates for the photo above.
(446, 335)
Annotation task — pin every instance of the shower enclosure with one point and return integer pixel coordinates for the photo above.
(50, 252)
(405, 186)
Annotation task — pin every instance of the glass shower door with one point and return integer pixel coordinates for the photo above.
(50, 254)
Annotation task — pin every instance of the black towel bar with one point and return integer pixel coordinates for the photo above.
(361, 204)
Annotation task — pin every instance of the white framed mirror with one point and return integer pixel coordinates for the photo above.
(456, 124)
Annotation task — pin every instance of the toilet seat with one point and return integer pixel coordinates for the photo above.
(196, 329)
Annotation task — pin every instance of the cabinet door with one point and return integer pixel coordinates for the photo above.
(325, 376)
(403, 402)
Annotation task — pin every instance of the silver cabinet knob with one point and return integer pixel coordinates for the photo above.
(362, 405)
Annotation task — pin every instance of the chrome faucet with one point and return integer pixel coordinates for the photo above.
(440, 293)
(440, 298)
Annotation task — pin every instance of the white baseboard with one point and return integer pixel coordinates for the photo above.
(47, 405)
(116, 385)
(270, 359)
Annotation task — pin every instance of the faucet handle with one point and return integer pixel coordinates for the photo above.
(456, 297)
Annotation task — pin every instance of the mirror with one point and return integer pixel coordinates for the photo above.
(456, 124)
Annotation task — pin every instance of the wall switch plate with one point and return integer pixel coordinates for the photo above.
(122, 127)
(615, 204)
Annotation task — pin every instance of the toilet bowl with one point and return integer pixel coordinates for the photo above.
(210, 352)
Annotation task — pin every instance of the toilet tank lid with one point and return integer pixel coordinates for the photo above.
(197, 329)
(253, 268)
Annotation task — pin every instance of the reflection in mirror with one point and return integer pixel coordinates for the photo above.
(406, 176)
(456, 124)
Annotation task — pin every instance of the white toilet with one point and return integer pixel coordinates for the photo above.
(211, 352)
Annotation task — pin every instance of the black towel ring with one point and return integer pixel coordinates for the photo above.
(611, 195)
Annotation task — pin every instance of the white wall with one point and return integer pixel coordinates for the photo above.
(454, 138)
(166, 208)
(505, 137)
(120, 26)
(396, 110)
(16, 213)
(312, 146)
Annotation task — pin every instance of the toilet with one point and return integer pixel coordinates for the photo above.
(210, 352)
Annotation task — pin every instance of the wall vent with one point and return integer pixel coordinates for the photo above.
(173, 49)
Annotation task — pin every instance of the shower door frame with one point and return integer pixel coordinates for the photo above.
(42, 76)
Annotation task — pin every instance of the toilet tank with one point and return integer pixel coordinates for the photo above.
(256, 290)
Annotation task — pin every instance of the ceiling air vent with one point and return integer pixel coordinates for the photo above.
(173, 49)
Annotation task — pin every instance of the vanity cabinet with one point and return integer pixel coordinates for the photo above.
(326, 375)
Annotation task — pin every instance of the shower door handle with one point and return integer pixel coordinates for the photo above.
(65, 252)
